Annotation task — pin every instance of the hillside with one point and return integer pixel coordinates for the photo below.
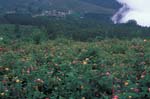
(104, 3)
(36, 6)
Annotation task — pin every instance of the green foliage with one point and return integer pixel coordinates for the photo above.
(65, 69)
(91, 27)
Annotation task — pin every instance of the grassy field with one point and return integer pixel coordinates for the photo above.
(67, 69)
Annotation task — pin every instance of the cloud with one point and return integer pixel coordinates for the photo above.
(138, 10)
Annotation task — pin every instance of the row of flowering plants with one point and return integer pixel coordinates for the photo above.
(65, 69)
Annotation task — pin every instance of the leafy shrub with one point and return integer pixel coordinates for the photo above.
(64, 69)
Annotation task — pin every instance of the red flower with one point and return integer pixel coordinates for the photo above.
(4, 81)
(1, 49)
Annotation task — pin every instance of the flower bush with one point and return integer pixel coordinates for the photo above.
(107, 69)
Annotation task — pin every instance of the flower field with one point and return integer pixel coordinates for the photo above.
(67, 69)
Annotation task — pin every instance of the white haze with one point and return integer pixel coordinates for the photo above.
(138, 10)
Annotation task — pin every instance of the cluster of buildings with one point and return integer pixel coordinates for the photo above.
(51, 13)
(54, 13)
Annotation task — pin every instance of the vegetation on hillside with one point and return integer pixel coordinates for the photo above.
(73, 58)
(88, 28)
(68, 69)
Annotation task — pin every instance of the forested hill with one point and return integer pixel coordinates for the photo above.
(105, 3)
(82, 6)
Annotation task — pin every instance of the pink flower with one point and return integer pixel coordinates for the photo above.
(107, 73)
(39, 80)
(115, 97)
(149, 89)
(136, 90)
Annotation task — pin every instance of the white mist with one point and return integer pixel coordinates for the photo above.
(138, 10)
